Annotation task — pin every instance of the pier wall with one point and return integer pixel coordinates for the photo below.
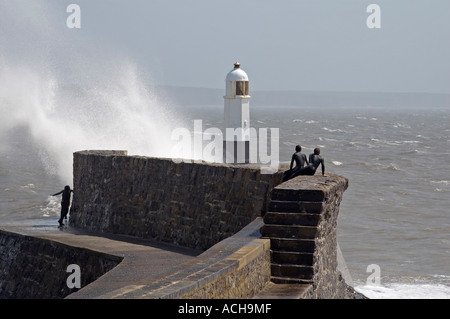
(190, 204)
(255, 231)
(36, 268)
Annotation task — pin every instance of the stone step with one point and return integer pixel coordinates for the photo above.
(295, 207)
(293, 245)
(292, 271)
(299, 219)
(295, 195)
(287, 280)
(285, 231)
(292, 258)
(284, 291)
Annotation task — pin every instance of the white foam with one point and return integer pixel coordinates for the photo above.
(51, 207)
(90, 103)
(401, 125)
(29, 186)
(126, 116)
(440, 182)
(405, 291)
(333, 130)
(440, 190)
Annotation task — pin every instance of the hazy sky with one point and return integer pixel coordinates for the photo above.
(282, 45)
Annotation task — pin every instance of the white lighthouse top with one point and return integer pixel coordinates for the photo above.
(237, 74)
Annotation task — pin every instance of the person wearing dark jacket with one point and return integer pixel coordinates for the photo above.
(65, 203)
(315, 160)
(300, 160)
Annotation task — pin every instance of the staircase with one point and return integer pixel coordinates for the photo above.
(291, 224)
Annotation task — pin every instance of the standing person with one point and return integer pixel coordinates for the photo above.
(65, 203)
(300, 161)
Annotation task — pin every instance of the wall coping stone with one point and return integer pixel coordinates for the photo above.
(229, 255)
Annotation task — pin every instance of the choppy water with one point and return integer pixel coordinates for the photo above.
(394, 214)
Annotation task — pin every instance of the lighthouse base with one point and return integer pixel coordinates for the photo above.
(236, 152)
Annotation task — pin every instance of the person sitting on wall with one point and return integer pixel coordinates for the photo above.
(315, 159)
(300, 161)
(65, 203)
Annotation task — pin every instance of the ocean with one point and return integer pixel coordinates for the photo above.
(393, 227)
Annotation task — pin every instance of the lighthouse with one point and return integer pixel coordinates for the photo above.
(236, 117)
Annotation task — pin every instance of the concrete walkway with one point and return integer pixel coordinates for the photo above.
(144, 261)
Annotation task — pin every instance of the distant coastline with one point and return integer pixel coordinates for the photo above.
(210, 96)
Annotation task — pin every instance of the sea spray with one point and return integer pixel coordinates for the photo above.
(118, 113)
(70, 93)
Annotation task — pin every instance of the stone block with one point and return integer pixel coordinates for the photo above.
(291, 219)
(295, 245)
(282, 231)
(292, 271)
(294, 258)
(295, 195)
(295, 207)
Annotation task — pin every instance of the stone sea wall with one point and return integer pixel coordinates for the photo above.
(255, 231)
(36, 268)
(198, 205)
(190, 204)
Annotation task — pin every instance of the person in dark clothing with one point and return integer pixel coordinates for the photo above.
(314, 161)
(65, 203)
(300, 161)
